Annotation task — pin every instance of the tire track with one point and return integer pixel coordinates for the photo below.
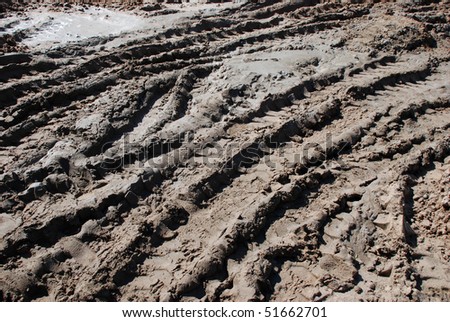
(260, 153)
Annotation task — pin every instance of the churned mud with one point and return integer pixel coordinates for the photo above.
(241, 152)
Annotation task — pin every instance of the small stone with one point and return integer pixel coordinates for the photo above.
(58, 183)
(407, 290)
(386, 270)
(34, 191)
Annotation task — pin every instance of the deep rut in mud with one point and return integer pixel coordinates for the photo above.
(263, 152)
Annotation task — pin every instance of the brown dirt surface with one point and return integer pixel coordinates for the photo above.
(241, 152)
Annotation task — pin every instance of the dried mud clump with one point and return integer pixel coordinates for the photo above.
(242, 152)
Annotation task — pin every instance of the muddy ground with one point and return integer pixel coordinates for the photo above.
(270, 152)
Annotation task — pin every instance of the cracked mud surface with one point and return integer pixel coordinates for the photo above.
(263, 152)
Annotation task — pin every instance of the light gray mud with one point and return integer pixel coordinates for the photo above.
(258, 152)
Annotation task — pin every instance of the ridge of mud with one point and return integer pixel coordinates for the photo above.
(253, 152)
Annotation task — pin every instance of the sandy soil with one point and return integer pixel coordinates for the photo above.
(267, 152)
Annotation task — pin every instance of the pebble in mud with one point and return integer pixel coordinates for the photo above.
(34, 191)
(57, 183)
